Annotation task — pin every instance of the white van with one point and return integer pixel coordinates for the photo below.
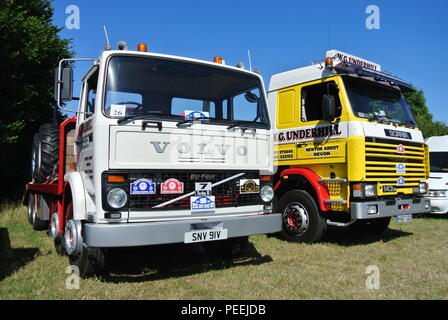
(438, 180)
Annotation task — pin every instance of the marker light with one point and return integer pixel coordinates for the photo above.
(217, 60)
(114, 179)
(329, 62)
(357, 190)
(142, 47)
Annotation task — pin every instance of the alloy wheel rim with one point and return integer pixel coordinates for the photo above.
(296, 218)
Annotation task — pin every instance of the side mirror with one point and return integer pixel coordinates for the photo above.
(251, 97)
(64, 87)
(329, 107)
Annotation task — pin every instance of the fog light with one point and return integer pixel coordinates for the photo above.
(117, 198)
(267, 193)
(372, 209)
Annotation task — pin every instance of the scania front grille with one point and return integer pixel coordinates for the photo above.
(389, 161)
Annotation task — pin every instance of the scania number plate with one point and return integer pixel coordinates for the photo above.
(205, 235)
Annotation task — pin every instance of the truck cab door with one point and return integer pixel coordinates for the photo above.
(84, 144)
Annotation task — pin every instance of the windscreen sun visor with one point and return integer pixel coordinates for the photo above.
(353, 70)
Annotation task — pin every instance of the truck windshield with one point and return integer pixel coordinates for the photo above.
(374, 101)
(175, 90)
(439, 161)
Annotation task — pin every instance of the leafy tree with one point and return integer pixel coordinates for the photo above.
(424, 118)
(30, 50)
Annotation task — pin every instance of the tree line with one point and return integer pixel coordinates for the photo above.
(30, 49)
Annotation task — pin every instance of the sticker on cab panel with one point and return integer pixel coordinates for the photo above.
(249, 186)
(203, 203)
(143, 186)
(172, 186)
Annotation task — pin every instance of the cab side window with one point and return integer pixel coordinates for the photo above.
(92, 84)
(311, 100)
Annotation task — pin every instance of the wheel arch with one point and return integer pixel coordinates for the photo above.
(75, 186)
(303, 179)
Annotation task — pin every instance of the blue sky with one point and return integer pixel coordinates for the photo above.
(281, 35)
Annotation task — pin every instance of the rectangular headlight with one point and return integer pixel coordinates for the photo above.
(370, 190)
(361, 190)
(423, 188)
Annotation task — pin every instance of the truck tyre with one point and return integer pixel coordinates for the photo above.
(59, 246)
(33, 206)
(90, 261)
(226, 249)
(45, 153)
(370, 226)
(301, 218)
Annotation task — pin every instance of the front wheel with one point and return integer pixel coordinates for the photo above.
(301, 218)
(88, 261)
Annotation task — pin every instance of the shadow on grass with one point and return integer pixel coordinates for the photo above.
(171, 261)
(345, 237)
(12, 260)
(435, 216)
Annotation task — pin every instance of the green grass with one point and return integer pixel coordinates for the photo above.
(412, 259)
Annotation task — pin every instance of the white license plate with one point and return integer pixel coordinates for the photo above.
(205, 235)
(404, 218)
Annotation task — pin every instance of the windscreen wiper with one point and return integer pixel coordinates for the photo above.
(138, 116)
(409, 123)
(240, 124)
(243, 126)
(381, 119)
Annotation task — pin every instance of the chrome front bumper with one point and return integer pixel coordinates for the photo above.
(390, 208)
(153, 233)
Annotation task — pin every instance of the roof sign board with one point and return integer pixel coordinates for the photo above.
(339, 56)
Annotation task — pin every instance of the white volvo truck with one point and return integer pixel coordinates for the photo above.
(163, 149)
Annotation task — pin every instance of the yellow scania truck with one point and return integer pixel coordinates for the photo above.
(348, 151)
